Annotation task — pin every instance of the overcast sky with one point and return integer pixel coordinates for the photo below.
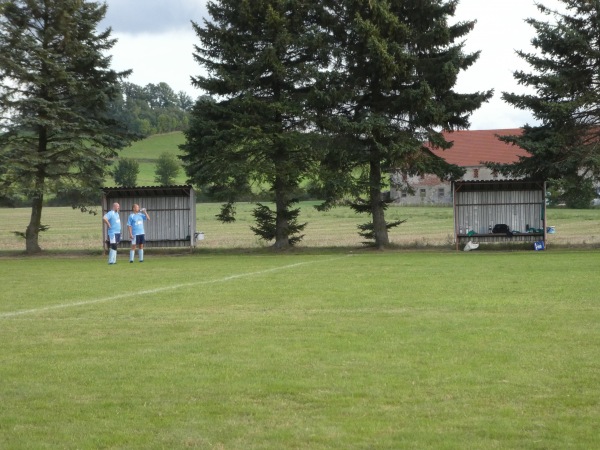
(156, 40)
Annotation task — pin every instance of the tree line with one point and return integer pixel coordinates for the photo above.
(152, 109)
(338, 93)
(345, 92)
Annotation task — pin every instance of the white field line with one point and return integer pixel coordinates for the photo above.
(157, 290)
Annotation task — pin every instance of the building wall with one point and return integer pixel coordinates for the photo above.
(430, 190)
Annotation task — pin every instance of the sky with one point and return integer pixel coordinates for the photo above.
(156, 40)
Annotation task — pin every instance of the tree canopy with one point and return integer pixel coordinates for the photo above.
(390, 94)
(261, 57)
(374, 78)
(167, 168)
(154, 108)
(56, 94)
(564, 96)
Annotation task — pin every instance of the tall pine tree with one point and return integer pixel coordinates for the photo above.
(56, 88)
(261, 59)
(565, 81)
(390, 92)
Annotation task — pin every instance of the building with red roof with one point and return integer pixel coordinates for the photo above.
(471, 149)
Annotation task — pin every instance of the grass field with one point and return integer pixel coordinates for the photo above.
(425, 227)
(316, 350)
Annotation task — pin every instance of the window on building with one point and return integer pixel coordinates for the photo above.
(404, 194)
(441, 192)
(423, 192)
(475, 173)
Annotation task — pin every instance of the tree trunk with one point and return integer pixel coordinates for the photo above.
(378, 214)
(33, 229)
(282, 237)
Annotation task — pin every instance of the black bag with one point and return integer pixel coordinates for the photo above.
(501, 228)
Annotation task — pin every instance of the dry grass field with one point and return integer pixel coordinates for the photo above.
(425, 227)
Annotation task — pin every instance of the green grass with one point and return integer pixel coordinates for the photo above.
(389, 350)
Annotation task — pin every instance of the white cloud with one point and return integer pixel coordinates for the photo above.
(154, 58)
(152, 16)
(163, 51)
(500, 31)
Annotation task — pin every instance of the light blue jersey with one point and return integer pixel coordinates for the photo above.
(115, 222)
(136, 222)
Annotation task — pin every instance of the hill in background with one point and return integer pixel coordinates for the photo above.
(147, 151)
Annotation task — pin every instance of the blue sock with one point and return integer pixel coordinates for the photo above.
(131, 255)
(141, 254)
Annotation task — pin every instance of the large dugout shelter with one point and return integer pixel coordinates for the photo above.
(480, 205)
(172, 211)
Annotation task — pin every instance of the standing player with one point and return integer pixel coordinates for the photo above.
(135, 223)
(113, 222)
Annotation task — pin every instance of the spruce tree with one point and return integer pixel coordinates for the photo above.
(390, 92)
(56, 88)
(261, 58)
(564, 97)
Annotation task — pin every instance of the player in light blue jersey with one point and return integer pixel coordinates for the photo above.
(113, 223)
(135, 223)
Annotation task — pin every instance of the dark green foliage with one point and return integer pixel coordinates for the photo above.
(266, 223)
(227, 213)
(565, 85)
(573, 192)
(57, 100)
(167, 169)
(388, 93)
(261, 58)
(126, 172)
(41, 228)
(367, 230)
(155, 108)
(69, 197)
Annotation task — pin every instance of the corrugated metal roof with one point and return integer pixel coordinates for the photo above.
(474, 147)
(148, 191)
(500, 185)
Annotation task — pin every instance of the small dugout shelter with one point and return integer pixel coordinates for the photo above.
(480, 205)
(172, 211)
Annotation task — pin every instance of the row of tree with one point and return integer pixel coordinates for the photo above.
(336, 91)
(343, 92)
(152, 109)
(339, 92)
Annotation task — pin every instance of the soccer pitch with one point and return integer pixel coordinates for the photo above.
(306, 350)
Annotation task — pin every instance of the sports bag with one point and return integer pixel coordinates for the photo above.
(501, 228)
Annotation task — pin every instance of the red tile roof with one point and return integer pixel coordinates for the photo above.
(472, 147)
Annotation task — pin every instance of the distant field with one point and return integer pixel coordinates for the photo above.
(425, 227)
(322, 350)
